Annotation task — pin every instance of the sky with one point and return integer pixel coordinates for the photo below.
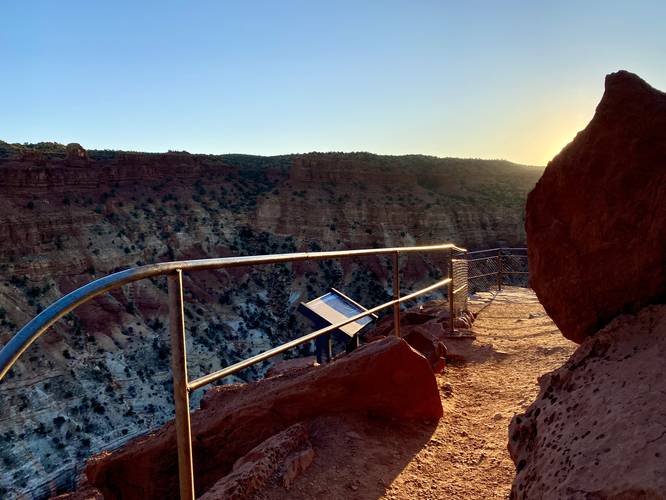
(496, 79)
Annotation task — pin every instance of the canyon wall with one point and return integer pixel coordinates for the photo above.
(101, 375)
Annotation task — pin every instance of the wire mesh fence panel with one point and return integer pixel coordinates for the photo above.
(460, 285)
(483, 273)
(488, 269)
(515, 270)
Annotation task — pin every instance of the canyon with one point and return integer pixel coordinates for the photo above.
(101, 375)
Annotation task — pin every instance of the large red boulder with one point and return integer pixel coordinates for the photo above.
(384, 378)
(596, 221)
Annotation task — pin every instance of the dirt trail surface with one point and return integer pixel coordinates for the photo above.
(464, 455)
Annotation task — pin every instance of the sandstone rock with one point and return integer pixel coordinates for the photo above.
(428, 344)
(288, 365)
(597, 428)
(384, 378)
(414, 316)
(596, 221)
(251, 471)
(426, 329)
(32, 155)
(295, 464)
(464, 348)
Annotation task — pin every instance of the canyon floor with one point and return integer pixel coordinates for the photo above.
(462, 456)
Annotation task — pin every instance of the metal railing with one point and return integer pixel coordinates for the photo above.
(495, 267)
(182, 386)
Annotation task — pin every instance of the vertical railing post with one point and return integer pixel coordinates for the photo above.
(499, 270)
(396, 294)
(180, 390)
(451, 312)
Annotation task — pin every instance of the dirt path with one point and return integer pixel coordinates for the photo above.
(463, 456)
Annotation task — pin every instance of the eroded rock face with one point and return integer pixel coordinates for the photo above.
(251, 471)
(597, 429)
(385, 378)
(596, 221)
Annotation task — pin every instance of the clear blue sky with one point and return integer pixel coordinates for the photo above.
(497, 79)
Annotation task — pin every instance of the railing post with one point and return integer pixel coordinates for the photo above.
(180, 390)
(451, 288)
(396, 294)
(499, 270)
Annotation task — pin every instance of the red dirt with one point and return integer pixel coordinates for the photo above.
(464, 455)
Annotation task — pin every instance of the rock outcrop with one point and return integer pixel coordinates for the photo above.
(251, 471)
(597, 428)
(426, 329)
(385, 378)
(596, 221)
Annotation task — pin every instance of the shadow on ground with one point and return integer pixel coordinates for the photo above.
(356, 457)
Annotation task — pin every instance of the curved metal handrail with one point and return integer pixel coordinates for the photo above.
(174, 272)
(40, 323)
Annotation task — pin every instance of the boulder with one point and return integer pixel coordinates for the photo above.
(597, 428)
(596, 220)
(428, 343)
(289, 365)
(386, 378)
(413, 316)
(253, 470)
(434, 314)
(295, 464)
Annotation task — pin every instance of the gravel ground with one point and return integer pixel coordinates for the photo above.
(462, 456)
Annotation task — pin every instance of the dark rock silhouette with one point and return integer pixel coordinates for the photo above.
(596, 221)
